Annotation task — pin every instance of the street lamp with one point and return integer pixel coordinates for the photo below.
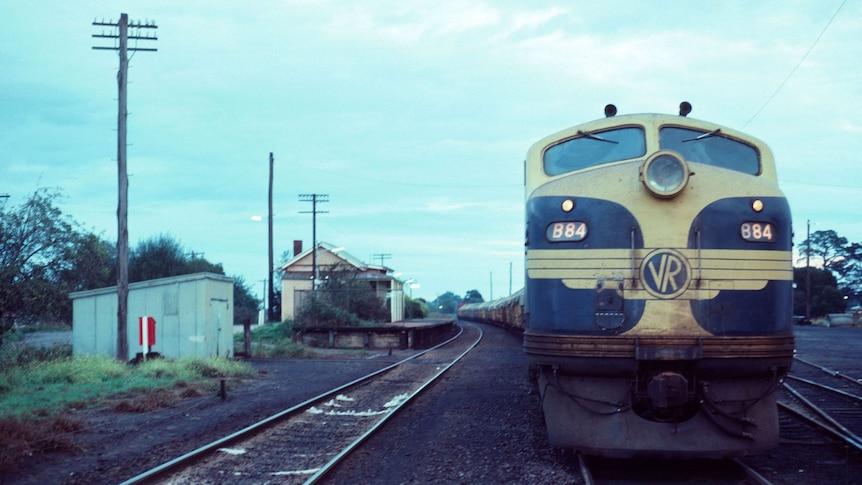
(411, 284)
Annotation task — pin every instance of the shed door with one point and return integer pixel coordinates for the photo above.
(218, 322)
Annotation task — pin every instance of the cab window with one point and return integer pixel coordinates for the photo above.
(712, 148)
(589, 149)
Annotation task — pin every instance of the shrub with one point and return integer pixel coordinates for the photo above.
(414, 309)
(274, 340)
(318, 312)
(14, 355)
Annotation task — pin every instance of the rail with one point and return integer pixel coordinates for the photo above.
(188, 459)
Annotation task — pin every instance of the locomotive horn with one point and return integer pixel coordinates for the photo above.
(610, 110)
(684, 108)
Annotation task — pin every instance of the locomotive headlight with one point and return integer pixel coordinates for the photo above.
(665, 174)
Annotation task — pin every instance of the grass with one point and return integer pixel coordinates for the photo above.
(46, 388)
(38, 388)
(272, 340)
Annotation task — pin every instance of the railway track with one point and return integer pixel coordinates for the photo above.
(599, 471)
(303, 443)
(825, 400)
(821, 415)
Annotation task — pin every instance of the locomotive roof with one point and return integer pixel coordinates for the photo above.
(652, 123)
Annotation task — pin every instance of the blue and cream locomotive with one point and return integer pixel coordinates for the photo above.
(658, 299)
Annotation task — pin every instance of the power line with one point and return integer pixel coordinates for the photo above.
(793, 71)
(412, 184)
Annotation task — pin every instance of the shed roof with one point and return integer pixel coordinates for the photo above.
(151, 283)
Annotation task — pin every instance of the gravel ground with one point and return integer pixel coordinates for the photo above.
(479, 424)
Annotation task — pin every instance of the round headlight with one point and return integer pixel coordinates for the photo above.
(665, 174)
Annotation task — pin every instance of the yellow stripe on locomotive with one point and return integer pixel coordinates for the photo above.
(698, 275)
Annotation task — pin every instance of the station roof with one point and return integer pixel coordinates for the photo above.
(301, 262)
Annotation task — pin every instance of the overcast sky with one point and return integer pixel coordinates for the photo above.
(413, 116)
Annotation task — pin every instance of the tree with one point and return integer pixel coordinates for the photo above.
(245, 305)
(355, 295)
(852, 271)
(157, 257)
(825, 296)
(414, 309)
(827, 247)
(90, 262)
(843, 259)
(342, 299)
(446, 303)
(473, 296)
(163, 257)
(33, 241)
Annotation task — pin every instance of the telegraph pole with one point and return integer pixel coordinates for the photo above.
(270, 317)
(808, 272)
(314, 199)
(122, 35)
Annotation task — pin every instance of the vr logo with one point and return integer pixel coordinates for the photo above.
(665, 273)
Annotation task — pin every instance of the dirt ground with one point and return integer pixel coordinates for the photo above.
(111, 447)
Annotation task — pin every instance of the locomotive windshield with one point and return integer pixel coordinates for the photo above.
(711, 148)
(591, 149)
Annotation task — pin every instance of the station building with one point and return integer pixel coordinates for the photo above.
(297, 278)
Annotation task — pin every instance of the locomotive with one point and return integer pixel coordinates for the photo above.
(657, 308)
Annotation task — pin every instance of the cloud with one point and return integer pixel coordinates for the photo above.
(414, 116)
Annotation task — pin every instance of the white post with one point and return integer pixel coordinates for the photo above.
(145, 330)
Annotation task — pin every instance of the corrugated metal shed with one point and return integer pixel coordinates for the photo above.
(193, 313)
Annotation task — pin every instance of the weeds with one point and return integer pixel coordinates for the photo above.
(47, 388)
(273, 340)
(28, 437)
(13, 354)
(36, 391)
(38, 386)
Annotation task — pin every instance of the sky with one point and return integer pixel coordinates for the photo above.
(414, 117)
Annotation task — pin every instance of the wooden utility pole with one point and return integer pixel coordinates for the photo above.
(314, 199)
(808, 272)
(271, 294)
(122, 34)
